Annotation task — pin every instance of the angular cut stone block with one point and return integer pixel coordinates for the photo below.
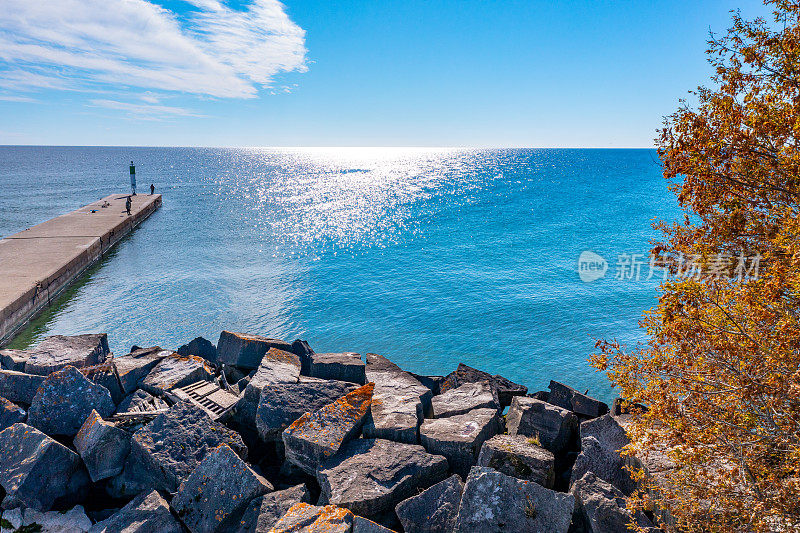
(30, 520)
(216, 494)
(10, 414)
(167, 450)
(105, 374)
(102, 446)
(496, 502)
(133, 368)
(58, 351)
(580, 404)
(283, 403)
(302, 350)
(201, 348)
(176, 371)
(38, 471)
(370, 476)
(302, 517)
(18, 386)
(555, 427)
(460, 437)
(517, 456)
(263, 513)
(14, 359)
(314, 437)
(434, 510)
(506, 389)
(602, 507)
(277, 366)
(146, 512)
(601, 442)
(399, 402)
(65, 399)
(362, 525)
(464, 399)
(345, 366)
(246, 351)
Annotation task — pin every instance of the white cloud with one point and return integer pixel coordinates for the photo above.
(146, 110)
(90, 45)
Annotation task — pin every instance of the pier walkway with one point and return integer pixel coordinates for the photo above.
(38, 263)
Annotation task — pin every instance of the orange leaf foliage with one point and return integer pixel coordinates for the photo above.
(720, 374)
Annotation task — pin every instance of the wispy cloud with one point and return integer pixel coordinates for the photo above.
(146, 110)
(11, 98)
(90, 45)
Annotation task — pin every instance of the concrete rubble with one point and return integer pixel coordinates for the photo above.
(259, 434)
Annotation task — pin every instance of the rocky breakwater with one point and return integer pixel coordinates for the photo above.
(260, 434)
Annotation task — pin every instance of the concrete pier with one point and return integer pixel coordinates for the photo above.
(38, 263)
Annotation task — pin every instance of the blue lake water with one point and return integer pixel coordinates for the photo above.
(430, 257)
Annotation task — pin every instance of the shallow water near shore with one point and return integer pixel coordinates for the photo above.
(430, 257)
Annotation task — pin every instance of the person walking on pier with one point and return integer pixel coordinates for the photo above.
(128, 205)
(133, 179)
(152, 189)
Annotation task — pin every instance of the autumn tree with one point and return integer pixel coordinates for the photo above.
(719, 374)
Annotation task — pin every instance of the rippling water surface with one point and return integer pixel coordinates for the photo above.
(427, 256)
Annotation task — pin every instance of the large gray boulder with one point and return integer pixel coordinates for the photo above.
(263, 513)
(10, 414)
(58, 351)
(496, 502)
(460, 437)
(370, 476)
(167, 450)
(399, 404)
(18, 386)
(65, 399)
(506, 389)
(516, 456)
(277, 366)
(314, 437)
(306, 518)
(434, 510)
(134, 367)
(38, 471)
(345, 366)
(602, 508)
(245, 350)
(601, 442)
(14, 359)
(580, 404)
(554, 427)
(176, 371)
(464, 399)
(216, 494)
(147, 512)
(280, 404)
(201, 348)
(102, 446)
(105, 374)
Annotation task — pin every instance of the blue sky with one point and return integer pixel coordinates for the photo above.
(348, 73)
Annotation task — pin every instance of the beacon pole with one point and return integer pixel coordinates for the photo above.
(133, 179)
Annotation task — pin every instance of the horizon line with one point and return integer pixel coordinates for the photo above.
(301, 147)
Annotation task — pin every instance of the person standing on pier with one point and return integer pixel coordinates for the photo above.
(152, 189)
(128, 204)
(133, 179)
